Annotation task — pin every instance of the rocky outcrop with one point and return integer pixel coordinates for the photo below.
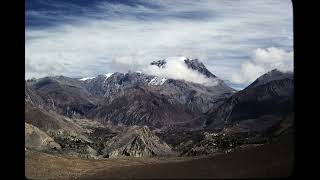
(195, 64)
(38, 140)
(160, 63)
(136, 142)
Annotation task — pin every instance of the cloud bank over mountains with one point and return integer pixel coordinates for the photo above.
(176, 68)
(262, 61)
(80, 39)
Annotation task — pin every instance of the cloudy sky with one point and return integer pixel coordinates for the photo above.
(238, 40)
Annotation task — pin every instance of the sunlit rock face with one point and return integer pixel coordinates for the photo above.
(136, 142)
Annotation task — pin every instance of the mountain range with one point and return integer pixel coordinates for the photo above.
(138, 114)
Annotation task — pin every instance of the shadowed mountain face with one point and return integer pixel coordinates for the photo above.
(197, 98)
(65, 95)
(270, 94)
(142, 106)
(271, 76)
(97, 85)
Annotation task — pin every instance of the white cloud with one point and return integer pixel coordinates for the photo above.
(271, 55)
(262, 61)
(176, 68)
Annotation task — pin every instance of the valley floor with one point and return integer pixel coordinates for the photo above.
(270, 160)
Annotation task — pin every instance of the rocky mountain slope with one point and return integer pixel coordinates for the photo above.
(271, 76)
(64, 95)
(251, 132)
(137, 142)
(256, 115)
(32, 98)
(273, 96)
(38, 140)
(197, 97)
(142, 106)
(48, 131)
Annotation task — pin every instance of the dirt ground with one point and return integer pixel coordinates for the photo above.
(272, 160)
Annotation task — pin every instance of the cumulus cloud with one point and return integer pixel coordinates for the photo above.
(262, 61)
(108, 37)
(176, 68)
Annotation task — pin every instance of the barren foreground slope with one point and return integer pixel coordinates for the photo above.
(269, 160)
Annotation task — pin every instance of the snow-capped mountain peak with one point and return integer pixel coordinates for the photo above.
(197, 65)
(108, 75)
(86, 78)
(193, 64)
